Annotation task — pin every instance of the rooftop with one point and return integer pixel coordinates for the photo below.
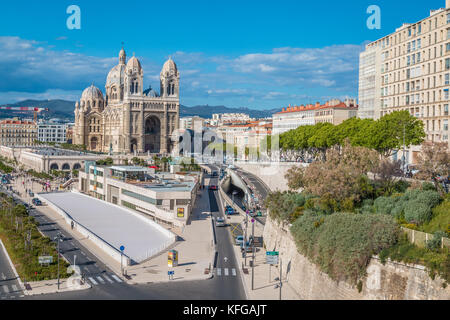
(317, 106)
(114, 225)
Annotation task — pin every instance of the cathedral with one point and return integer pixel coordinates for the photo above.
(129, 119)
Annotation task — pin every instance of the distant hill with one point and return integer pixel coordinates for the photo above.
(64, 110)
(57, 109)
(207, 111)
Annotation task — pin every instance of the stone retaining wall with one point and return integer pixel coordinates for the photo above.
(392, 281)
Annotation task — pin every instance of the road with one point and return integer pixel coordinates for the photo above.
(225, 285)
(9, 285)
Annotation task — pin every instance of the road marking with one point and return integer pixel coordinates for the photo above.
(3, 276)
(226, 271)
(116, 278)
(83, 253)
(5, 288)
(93, 281)
(101, 279)
(233, 271)
(87, 269)
(107, 278)
(14, 287)
(219, 271)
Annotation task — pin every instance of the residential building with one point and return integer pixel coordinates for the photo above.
(336, 112)
(333, 111)
(69, 132)
(245, 135)
(413, 74)
(192, 123)
(17, 133)
(52, 132)
(221, 118)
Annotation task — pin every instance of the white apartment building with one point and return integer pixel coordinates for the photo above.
(291, 118)
(412, 72)
(220, 118)
(333, 111)
(52, 132)
(192, 123)
(245, 135)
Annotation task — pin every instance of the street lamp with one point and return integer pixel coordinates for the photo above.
(280, 284)
(58, 239)
(253, 252)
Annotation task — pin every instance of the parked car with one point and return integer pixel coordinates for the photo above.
(229, 211)
(37, 202)
(30, 193)
(220, 222)
(212, 188)
(239, 240)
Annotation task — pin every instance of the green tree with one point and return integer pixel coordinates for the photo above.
(388, 133)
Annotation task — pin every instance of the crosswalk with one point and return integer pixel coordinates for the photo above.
(103, 279)
(225, 272)
(10, 291)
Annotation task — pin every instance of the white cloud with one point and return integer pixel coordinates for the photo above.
(32, 69)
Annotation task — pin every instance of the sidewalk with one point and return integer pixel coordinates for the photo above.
(194, 245)
(51, 286)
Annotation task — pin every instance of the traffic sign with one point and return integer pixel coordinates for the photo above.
(170, 273)
(272, 257)
(122, 248)
(45, 259)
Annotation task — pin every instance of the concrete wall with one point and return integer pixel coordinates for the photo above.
(392, 281)
(272, 174)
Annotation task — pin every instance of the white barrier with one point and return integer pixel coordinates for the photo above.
(102, 244)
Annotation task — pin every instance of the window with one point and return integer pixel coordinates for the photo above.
(408, 60)
(445, 109)
(447, 47)
(447, 79)
(448, 17)
(447, 64)
(419, 43)
(445, 125)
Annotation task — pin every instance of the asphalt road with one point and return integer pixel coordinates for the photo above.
(220, 287)
(9, 285)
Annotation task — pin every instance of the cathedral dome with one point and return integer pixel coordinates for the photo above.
(151, 93)
(169, 67)
(92, 93)
(116, 75)
(134, 63)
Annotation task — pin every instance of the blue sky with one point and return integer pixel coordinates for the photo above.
(249, 53)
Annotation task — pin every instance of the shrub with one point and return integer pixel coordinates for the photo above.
(347, 205)
(383, 205)
(417, 212)
(427, 186)
(401, 186)
(342, 244)
(436, 241)
(437, 262)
